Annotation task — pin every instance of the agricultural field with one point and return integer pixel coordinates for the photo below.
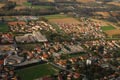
(29, 5)
(51, 0)
(56, 16)
(20, 7)
(47, 0)
(85, 1)
(106, 28)
(114, 3)
(65, 20)
(104, 14)
(1, 5)
(19, 2)
(103, 23)
(41, 7)
(112, 32)
(4, 27)
(37, 71)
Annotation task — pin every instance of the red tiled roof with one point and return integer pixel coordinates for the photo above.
(1, 61)
(15, 23)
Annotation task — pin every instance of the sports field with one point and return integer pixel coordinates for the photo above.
(37, 71)
(3, 27)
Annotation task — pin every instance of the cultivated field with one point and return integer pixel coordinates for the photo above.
(85, 1)
(47, 0)
(114, 3)
(1, 5)
(20, 2)
(51, 0)
(20, 7)
(104, 14)
(103, 23)
(106, 28)
(56, 16)
(112, 32)
(109, 28)
(65, 20)
(115, 13)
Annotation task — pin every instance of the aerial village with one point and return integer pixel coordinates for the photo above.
(58, 47)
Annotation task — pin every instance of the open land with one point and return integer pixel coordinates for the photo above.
(65, 20)
(85, 1)
(114, 3)
(4, 27)
(37, 71)
(105, 14)
(1, 5)
(106, 28)
(56, 16)
(113, 32)
(73, 46)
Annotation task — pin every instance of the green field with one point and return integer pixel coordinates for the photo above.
(56, 16)
(41, 7)
(27, 4)
(105, 28)
(3, 27)
(37, 71)
(36, 6)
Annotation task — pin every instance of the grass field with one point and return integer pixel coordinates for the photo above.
(3, 27)
(27, 4)
(56, 16)
(37, 71)
(41, 7)
(106, 28)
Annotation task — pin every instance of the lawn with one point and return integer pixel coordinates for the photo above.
(106, 28)
(56, 16)
(36, 71)
(3, 27)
